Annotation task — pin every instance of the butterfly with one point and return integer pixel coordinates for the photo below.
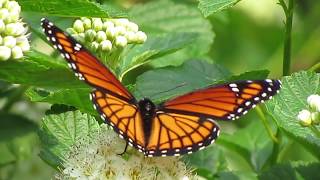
(181, 125)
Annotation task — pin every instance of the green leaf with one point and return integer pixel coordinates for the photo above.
(161, 84)
(59, 132)
(237, 175)
(154, 47)
(78, 98)
(16, 138)
(250, 75)
(290, 101)
(251, 142)
(74, 8)
(208, 7)
(208, 162)
(292, 171)
(167, 17)
(39, 70)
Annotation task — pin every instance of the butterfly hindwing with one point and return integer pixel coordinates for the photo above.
(225, 102)
(176, 134)
(122, 116)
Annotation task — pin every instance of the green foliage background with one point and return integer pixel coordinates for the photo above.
(196, 43)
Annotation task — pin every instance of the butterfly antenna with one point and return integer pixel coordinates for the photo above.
(178, 86)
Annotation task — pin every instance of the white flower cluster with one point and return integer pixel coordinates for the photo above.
(97, 159)
(13, 37)
(311, 116)
(105, 34)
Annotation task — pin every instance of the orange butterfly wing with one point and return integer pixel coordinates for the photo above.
(113, 101)
(122, 116)
(225, 102)
(186, 124)
(82, 62)
(175, 134)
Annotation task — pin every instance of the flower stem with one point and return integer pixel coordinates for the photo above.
(266, 125)
(288, 10)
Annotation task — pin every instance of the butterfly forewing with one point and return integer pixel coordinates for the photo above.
(86, 66)
(225, 102)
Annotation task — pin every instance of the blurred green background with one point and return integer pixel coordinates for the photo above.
(248, 37)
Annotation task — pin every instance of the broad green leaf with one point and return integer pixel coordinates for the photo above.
(78, 98)
(153, 48)
(251, 142)
(17, 136)
(40, 70)
(250, 75)
(59, 132)
(167, 17)
(74, 8)
(237, 175)
(208, 7)
(290, 101)
(294, 171)
(14, 126)
(161, 84)
(208, 162)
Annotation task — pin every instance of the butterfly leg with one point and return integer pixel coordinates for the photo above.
(125, 150)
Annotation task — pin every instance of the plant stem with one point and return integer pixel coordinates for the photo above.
(288, 10)
(315, 68)
(266, 125)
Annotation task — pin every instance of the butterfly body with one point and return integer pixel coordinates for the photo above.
(147, 109)
(181, 125)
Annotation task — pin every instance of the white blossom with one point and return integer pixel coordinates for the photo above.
(13, 32)
(96, 158)
(304, 117)
(314, 102)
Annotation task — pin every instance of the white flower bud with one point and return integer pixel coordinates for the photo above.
(94, 45)
(3, 2)
(4, 13)
(132, 27)
(141, 37)
(5, 53)
(106, 45)
(121, 41)
(90, 35)
(120, 30)
(79, 37)
(315, 117)
(71, 31)
(101, 36)
(15, 29)
(97, 24)
(2, 26)
(23, 43)
(111, 32)
(314, 102)
(131, 36)
(9, 41)
(13, 17)
(304, 117)
(17, 52)
(121, 22)
(107, 25)
(13, 6)
(78, 26)
(86, 23)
